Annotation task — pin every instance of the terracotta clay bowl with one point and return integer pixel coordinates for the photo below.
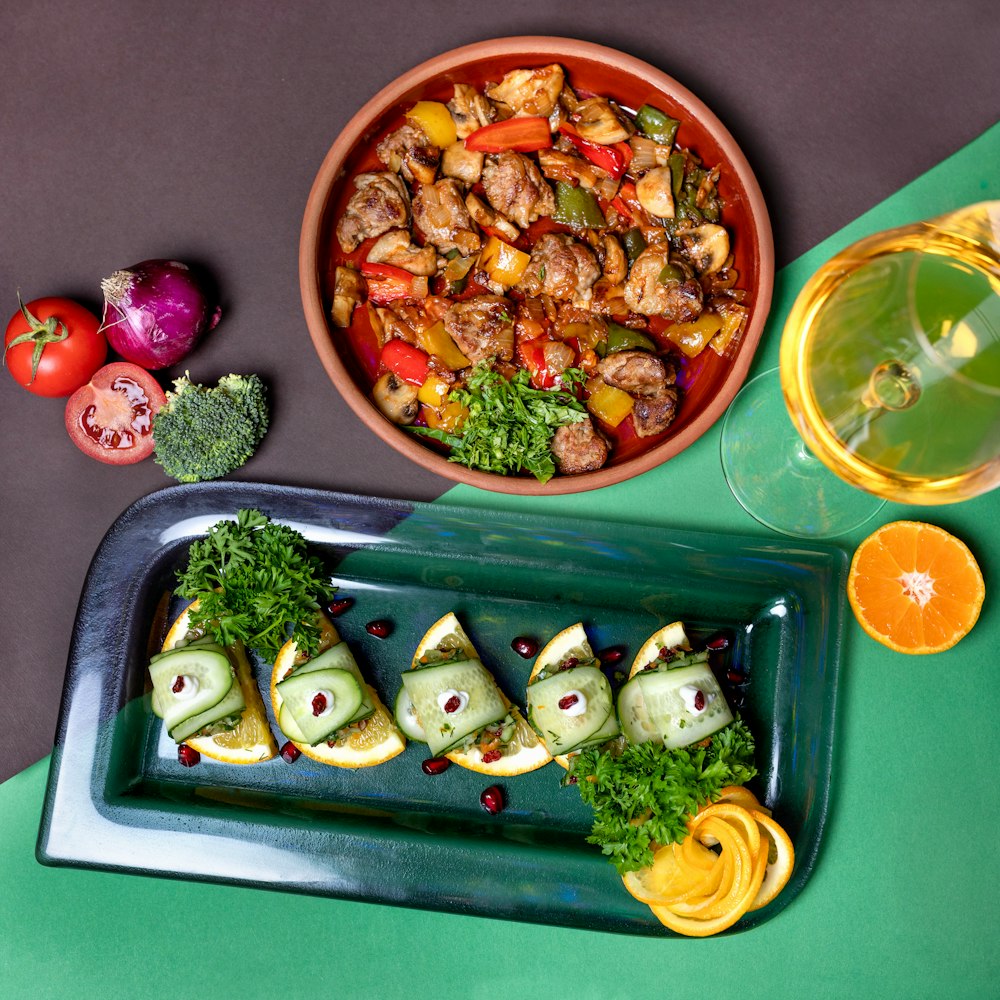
(711, 382)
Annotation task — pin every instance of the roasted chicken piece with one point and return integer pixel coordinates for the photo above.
(579, 447)
(515, 188)
(654, 414)
(348, 290)
(561, 166)
(395, 248)
(530, 91)
(380, 202)
(561, 267)
(637, 372)
(465, 165)
(470, 109)
(678, 301)
(439, 210)
(408, 151)
(483, 327)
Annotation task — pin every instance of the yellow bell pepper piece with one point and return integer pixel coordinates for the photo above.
(436, 340)
(435, 120)
(434, 391)
(692, 337)
(446, 418)
(732, 323)
(502, 262)
(610, 404)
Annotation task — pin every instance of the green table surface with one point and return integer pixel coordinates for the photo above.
(902, 903)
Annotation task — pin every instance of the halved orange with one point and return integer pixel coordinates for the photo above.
(251, 741)
(915, 588)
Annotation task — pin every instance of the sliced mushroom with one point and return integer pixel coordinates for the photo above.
(655, 192)
(348, 289)
(470, 109)
(465, 165)
(707, 247)
(614, 265)
(396, 399)
(599, 122)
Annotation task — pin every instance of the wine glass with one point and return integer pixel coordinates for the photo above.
(890, 373)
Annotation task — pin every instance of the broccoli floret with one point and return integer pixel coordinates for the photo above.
(204, 432)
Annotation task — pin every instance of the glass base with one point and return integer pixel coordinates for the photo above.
(775, 477)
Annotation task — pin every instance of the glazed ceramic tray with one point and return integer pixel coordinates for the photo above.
(119, 800)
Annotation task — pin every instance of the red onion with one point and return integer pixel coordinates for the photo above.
(155, 311)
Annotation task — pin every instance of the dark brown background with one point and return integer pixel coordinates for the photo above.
(193, 130)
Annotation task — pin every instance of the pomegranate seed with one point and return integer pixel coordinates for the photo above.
(435, 765)
(572, 779)
(492, 755)
(451, 705)
(570, 661)
(699, 701)
(290, 753)
(666, 654)
(524, 646)
(187, 756)
(611, 655)
(734, 677)
(492, 799)
(178, 684)
(339, 606)
(568, 701)
(381, 628)
(318, 703)
(718, 642)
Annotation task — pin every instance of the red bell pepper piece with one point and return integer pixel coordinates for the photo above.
(532, 356)
(614, 159)
(387, 283)
(522, 135)
(408, 362)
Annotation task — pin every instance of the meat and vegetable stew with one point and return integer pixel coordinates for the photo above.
(537, 266)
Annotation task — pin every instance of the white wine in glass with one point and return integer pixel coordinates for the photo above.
(890, 370)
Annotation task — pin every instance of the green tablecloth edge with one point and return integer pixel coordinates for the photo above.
(901, 904)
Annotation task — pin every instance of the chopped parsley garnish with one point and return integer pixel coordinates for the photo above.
(510, 423)
(643, 796)
(253, 579)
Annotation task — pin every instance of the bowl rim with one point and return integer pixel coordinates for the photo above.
(554, 48)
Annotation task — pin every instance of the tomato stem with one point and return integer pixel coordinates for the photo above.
(41, 335)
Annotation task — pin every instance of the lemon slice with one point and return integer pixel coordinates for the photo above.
(251, 741)
(669, 636)
(374, 743)
(569, 642)
(447, 633)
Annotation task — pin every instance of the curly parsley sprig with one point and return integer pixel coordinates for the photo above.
(643, 796)
(253, 578)
(510, 424)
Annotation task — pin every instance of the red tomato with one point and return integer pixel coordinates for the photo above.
(111, 417)
(61, 338)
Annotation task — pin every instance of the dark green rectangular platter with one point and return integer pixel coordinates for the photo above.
(118, 799)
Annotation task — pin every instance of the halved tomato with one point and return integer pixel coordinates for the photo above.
(111, 417)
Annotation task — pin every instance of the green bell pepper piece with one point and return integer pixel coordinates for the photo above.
(622, 338)
(659, 127)
(634, 243)
(577, 207)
